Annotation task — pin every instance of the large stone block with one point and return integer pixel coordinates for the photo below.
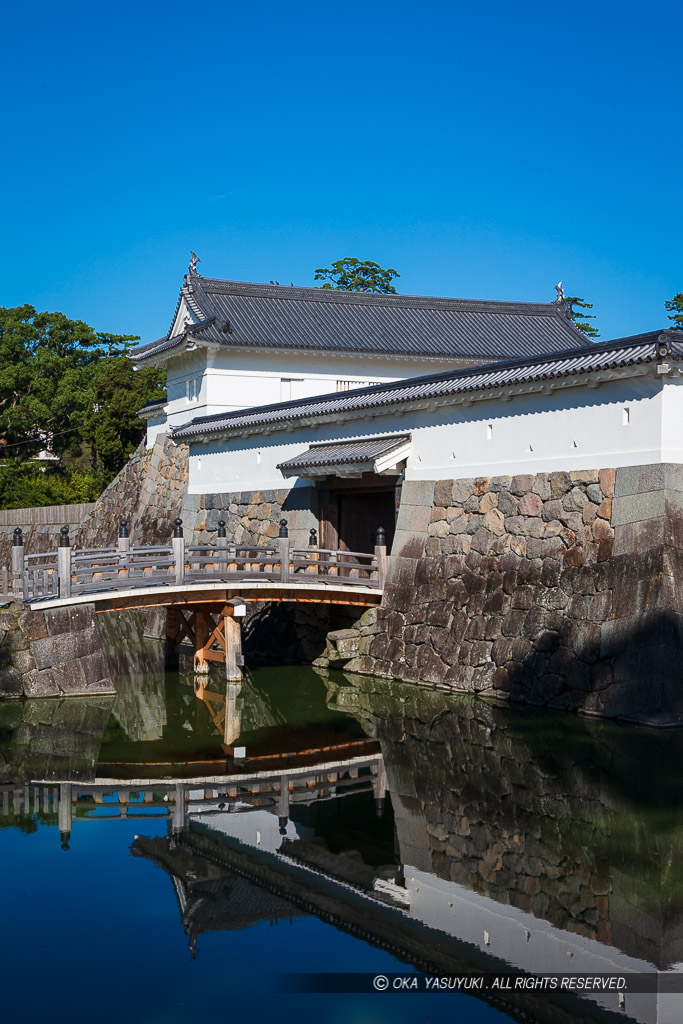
(418, 492)
(40, 684)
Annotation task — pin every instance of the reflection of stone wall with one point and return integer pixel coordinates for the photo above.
(575, 821)
(51, 739)
(137, 666)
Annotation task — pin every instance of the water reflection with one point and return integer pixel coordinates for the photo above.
(454, 834)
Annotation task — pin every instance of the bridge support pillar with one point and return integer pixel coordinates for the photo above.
(201, 631)
(232, 631)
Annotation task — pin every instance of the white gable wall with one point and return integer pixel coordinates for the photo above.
(632, 421)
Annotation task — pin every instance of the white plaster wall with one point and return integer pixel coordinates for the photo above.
(237, 379)
(621, 423)
(187, 366)
(672, 420)
(155, 425)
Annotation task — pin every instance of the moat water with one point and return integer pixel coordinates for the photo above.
(184, 853)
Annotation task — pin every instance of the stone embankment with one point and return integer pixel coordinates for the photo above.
(510, 592)
(557, 590)
(151, 491)
(52, 653)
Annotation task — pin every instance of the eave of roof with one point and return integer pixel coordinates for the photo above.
(343, 453)
(152, 409)
(592, 359)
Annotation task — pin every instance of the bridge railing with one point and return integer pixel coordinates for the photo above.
(71, 573)
(40, 576)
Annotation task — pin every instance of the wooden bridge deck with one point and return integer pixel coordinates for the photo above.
(332, 591)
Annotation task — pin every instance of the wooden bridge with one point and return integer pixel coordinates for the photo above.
(206, 586)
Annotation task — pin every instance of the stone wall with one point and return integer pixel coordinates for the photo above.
(319, 634)
(151, 491)
(37, 537)
(557, 590)
(148, 493)
(52, 653)
(251, 517)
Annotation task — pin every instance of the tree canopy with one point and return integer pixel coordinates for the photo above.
(352, 275)
(72, 391)
(675, 306)
(574, 305)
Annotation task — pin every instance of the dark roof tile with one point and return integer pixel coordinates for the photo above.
(236, 314)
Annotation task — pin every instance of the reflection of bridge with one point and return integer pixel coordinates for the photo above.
(276, 790)
(212, 582)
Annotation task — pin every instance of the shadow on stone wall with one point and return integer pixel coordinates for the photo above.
(294, 634)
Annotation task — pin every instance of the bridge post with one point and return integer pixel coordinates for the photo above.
(64, 562)
(313, 543)
(18, 564)
(124, 548)
(222, 542)
(381, 556)
(234, 610)
(201, 631)
(179, 550)
(283, 540)
(178, 817)
(124, 536)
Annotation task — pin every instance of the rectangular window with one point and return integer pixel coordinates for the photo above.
(343, 385)
(291, 388)
(627, 416)
(192, 389)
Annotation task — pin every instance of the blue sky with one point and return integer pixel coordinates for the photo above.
(484, 150)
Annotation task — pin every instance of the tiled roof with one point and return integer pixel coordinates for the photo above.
(624, 352)
(344, 453)
(152, 407)
(238, 315)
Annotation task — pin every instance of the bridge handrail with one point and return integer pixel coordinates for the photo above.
(67, 571)
(333, 551)
(150, 548)
(90, 552)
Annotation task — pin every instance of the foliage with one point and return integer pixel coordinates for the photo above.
(675, 306)
(352, 275)
(574, 304)
(70, 390)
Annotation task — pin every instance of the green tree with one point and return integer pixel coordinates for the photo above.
(574, 305)
(352, 275)
(68, 388)
(675, 306)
